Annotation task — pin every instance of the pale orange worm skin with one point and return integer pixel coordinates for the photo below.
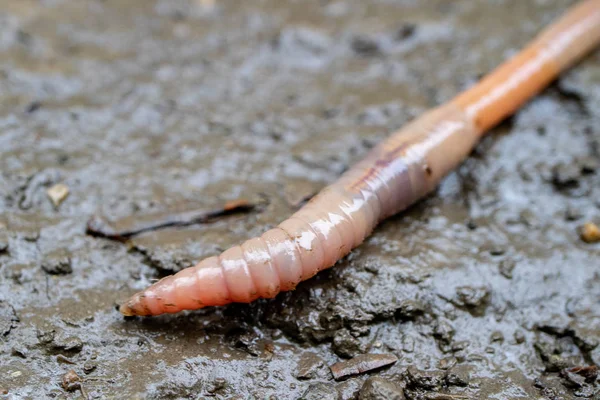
(395, 174)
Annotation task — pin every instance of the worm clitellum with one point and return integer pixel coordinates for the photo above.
(395, 174)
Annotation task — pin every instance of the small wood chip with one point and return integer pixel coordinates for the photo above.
(361, 364)
(590, 233)
(58, 193)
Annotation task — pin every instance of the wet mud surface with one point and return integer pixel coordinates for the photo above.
(485, 290)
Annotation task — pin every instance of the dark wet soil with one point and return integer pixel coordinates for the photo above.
(484, 290)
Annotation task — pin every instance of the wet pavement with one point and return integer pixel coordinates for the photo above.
(144, 108)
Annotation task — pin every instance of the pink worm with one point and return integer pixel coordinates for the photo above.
(394, 175)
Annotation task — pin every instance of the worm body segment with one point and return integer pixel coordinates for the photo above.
(394, 175)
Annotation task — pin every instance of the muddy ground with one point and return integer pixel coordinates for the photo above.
(482, 291)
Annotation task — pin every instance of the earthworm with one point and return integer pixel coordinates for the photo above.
(395, 174)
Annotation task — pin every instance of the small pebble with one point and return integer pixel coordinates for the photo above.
(405, 31)
(3, 239)
(497, 336)
(424, 380)
(308, 365)
(470, 296)
(365, 46)
(345, 345)
(320, 391)
(444, 331)
(590, 233)
(71, 381)
(573, 214)
(57, 265)
(507, 267)
(565, 176)
(89, 366)
(519, 337)
(380, 389)
(58, 193)
(458, 376)
(447, 363)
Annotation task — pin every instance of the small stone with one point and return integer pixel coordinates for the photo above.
(589, 165)
(405, 31)
(361, 364)
(71, 381)
(409, 309)
(497, 336)
(380, 389)
(365, 46)
(573, 214)
(472, 297)
(58, 264)
(426, 380)
(320, 391)
(497, 251)
(578, 376)
(247, 342)
(471, 225)
(566, 176)
(447, 363)
(585, 340)
(458, 376)
(556, 363)
(443, 331)
(58, 193)
(506, 268)
(308, 365)
(586, 392)
(89, 366)
(8, 318)
(46, 336)
(3, 239)
(20, 351)
(460, 346)
(408, 343)
(69, 344)
(519, 337)
(590, 233)
(216, 386)
(345, 345)
(31, 235)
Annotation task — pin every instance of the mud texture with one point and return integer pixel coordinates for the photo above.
(485, 290)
